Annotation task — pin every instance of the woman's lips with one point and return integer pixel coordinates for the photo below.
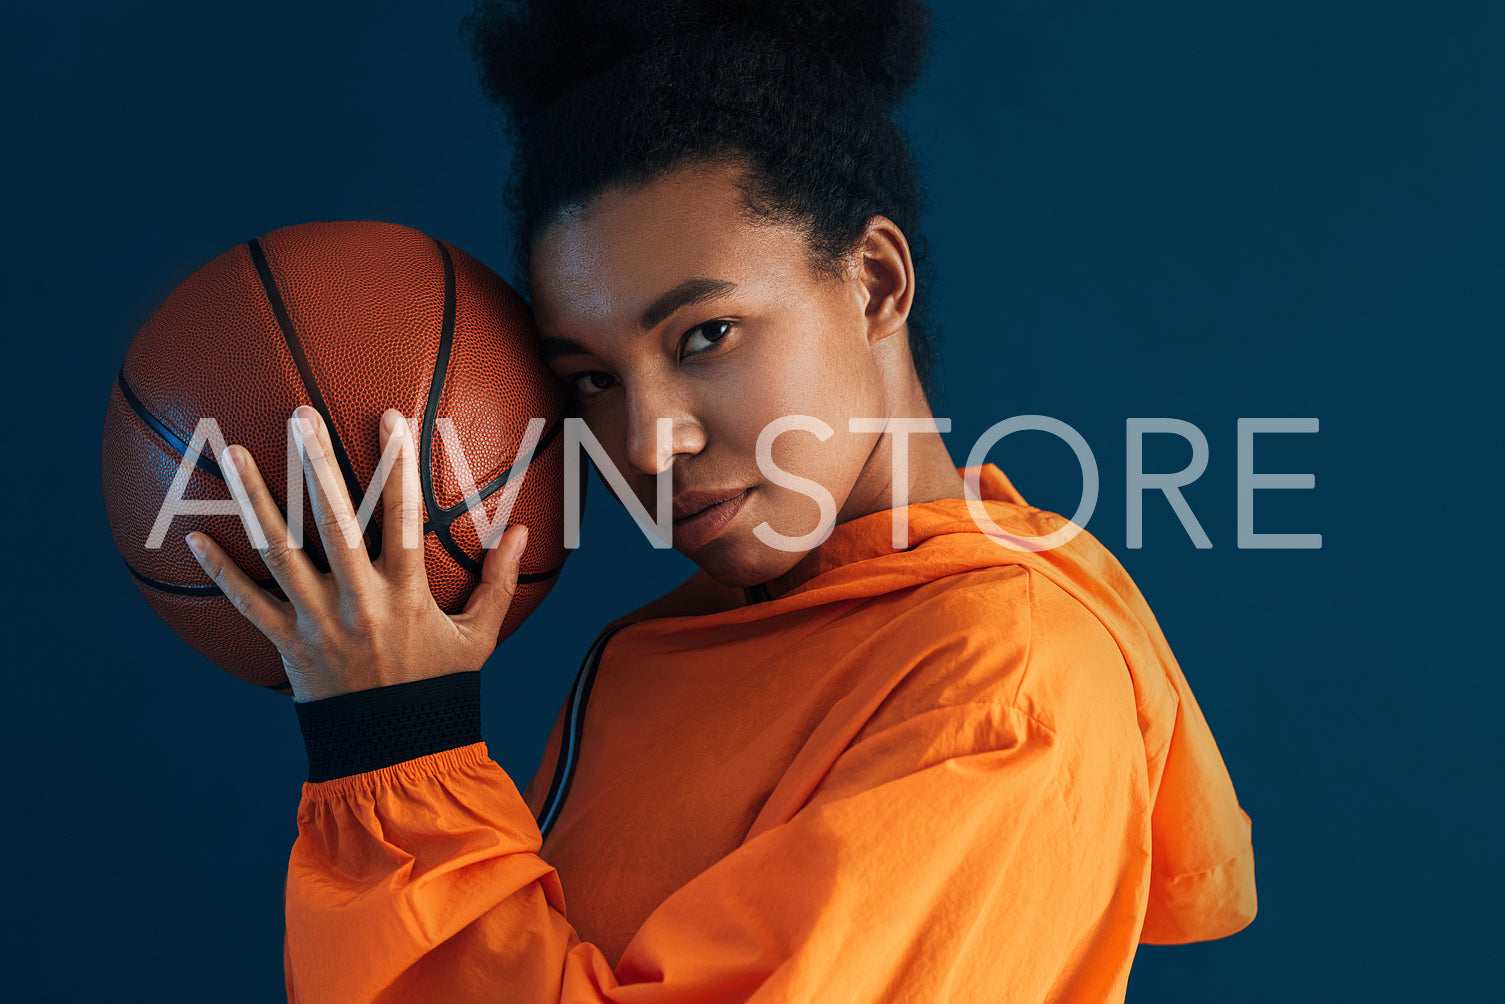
(694, 531)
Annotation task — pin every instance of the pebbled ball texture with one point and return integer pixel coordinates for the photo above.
(381, 320)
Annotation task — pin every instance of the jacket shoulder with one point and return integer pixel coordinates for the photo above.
(1008, 634)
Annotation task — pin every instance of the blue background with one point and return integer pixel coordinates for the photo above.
(1202, 211)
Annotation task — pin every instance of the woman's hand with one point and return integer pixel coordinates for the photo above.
(365, 624)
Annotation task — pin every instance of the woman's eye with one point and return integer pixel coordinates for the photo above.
(591, 382)
(708, 333)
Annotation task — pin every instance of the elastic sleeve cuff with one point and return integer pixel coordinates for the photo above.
(370, 729)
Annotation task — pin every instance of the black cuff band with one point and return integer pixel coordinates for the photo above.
(371, 729)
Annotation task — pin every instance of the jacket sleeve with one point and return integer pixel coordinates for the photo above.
(938, 860)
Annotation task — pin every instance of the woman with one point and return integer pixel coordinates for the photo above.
(826, 767)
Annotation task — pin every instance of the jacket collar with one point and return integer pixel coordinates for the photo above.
(871, 536)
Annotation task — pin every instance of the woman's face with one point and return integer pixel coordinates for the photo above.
(669, 301)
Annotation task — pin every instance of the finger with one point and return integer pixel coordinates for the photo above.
(333, 514)
(488, 604)
(271, 616)
(402, 503)
(289, 565)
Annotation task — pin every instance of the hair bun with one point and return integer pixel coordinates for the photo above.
(530, 53)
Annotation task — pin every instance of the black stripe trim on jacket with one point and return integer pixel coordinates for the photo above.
(574, 729)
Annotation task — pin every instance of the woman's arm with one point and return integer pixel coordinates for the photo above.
(938, 861)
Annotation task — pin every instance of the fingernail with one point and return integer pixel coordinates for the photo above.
(522, 541)
(308, 419)
(195, 544)
(394, 422)
(231, 460)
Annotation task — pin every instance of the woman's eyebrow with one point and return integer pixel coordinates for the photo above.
(696, 290)
(690, 291)
(553, 346)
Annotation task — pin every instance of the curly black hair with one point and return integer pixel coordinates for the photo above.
(601, 93)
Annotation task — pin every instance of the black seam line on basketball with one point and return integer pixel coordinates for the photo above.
(447, 516)
(524, 578)
(306, 373)
(172, 439)
(440, 517)
(431, 409)
(186, 590)
(574, 731)
(457, 552)
(473, 566)
(518, 467)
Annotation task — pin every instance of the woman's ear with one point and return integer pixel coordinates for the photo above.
(886, 277)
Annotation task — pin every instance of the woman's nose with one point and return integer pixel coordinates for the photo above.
(660, 426)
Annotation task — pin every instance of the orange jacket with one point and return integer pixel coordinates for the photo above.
(958, 772)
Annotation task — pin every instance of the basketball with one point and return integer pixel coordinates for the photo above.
(351, 318)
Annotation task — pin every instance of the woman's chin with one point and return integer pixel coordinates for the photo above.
(739, 564)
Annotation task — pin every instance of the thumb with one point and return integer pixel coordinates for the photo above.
(488, 604)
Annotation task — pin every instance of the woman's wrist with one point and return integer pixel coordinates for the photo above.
(367, 730)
